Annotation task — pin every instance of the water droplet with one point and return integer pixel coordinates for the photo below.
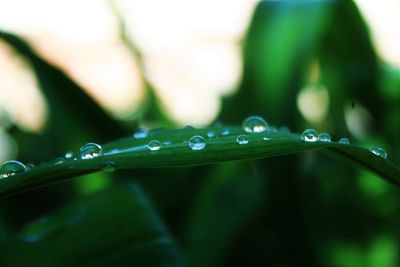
(267, 136)
(69, 155)
(188, 127)
(58, 161)
(225, 132)
(310, 135)
(242, 140)
(197, 142)
(11, 168)
(108, 166)
(324, 137)
(90, 151)
(378, 151)
(154, 145)
(211, 134)
(140, 133)
(254, 124)
(344, 140)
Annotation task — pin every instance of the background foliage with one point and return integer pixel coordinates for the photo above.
(300, 210)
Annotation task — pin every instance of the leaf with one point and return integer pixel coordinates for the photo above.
(230, 197)
(116, 226)
(131, 153)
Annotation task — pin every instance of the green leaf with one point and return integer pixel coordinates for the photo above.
(131, 153)
(116, 226)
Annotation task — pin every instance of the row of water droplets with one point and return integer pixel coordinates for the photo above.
(311, 136)
(252, 124)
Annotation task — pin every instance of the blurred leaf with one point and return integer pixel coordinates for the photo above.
(130, 153)
(230, 196)
(283, 37)
(70, 109)
(113, 227)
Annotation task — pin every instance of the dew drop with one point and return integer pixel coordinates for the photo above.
(254, 124)
(211, 134)
(188, 127)
(140, 133)
(267, 136)
(225, 132)
(108, 166)
(378, 151)
(58, 161)
(310, 135)
(324, 137)
(197, 142)
(344, 140)
(69, 155)
(11, 168)
(90, 151)
(242, 140)
(154, 145)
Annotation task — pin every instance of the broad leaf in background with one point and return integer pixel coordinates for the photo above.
(113, 227)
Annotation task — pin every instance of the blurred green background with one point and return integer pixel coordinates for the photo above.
(299, 64)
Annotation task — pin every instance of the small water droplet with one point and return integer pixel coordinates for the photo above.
(188, 127)
(344, 140)
(197, 142)
(310, 135)
(324, 137)
(378, 151)
(267, 136)
(11, 168)
(90, 151)
(211, 134)
(140, 133)
(58, 161)
(254, 124)
(225, 132)
(242, 140)
(154, 145)
(69, 155)
(108, 166)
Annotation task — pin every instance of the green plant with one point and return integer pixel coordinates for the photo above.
(235, 197)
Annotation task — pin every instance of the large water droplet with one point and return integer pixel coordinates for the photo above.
(310, 135)
(197, 142)
(242, 140)
(108, 166)
(324, 137)
(344, 140)
(11, 168)
(69, 155)
(154, 145)
(90, 151)
(378, 151)
(254, 124)
(140, 133)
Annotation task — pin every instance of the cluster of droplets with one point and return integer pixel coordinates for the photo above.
(251, 125)
(311, 136)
